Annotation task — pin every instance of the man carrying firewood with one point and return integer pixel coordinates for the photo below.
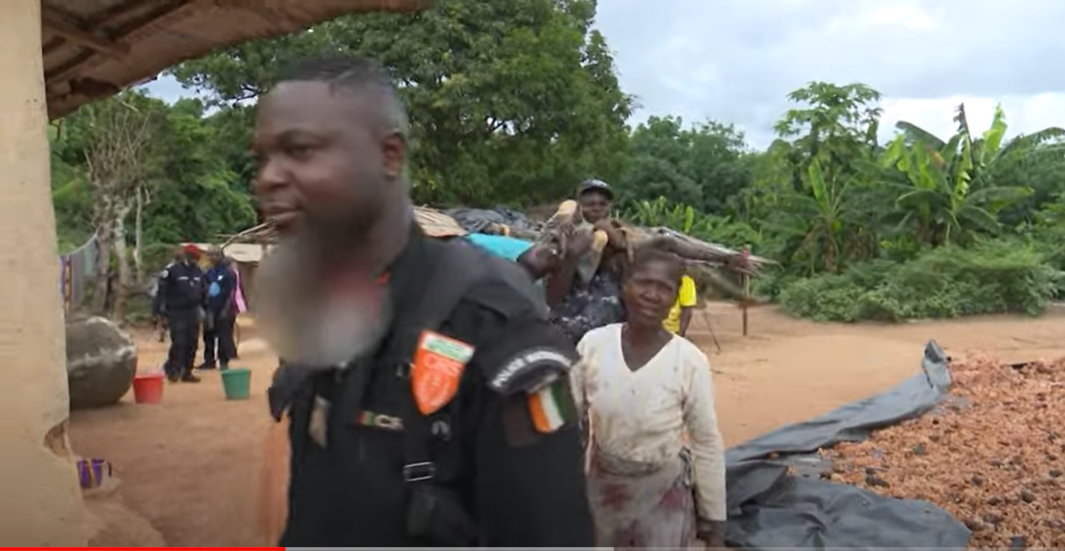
(585, 291)
(595, 198)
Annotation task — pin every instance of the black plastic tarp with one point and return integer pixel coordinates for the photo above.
(768, 508)
(482, 220)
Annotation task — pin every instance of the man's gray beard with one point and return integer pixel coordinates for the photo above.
(306, 327)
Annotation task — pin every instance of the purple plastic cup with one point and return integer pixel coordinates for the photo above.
(91, 472)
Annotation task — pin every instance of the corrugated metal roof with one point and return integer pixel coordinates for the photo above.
(94, 48)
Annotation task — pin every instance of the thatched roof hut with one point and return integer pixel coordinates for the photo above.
(94, 48)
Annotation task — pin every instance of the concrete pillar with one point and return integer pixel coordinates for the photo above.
(40, 500)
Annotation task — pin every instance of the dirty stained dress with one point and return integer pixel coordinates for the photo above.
(647, 487)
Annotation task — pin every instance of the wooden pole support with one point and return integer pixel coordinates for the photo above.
(746, 286)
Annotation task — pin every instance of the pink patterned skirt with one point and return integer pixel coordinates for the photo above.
(639, 505)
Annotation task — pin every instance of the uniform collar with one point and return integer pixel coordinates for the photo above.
(401, 271)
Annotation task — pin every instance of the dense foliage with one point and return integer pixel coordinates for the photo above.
(515, 102)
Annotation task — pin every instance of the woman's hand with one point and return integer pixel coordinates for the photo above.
(716, 542)
(613, 232)
(712, 535)
(604, 225)
(579, 243)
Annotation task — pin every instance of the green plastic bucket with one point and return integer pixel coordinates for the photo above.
(237, 383)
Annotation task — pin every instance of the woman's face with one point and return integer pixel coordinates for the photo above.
(649, 293)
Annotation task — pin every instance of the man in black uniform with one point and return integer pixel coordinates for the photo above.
(455, 426)
(179, 298)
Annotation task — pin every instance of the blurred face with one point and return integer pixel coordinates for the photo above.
(325, 166)
(649, 293)
(185, 255)
(214, 257)
(594, 205)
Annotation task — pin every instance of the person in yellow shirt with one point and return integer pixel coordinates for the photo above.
(680, 316)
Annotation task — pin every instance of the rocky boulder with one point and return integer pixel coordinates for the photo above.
(101, 362)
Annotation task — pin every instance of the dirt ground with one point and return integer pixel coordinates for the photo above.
(190, 465)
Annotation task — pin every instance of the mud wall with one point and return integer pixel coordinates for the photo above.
(41, 503)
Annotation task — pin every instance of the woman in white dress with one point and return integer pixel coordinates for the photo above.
(656, 458)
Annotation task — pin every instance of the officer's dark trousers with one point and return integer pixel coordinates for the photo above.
(219, 337)
(184, 337)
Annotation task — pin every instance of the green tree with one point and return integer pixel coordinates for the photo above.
(700, 166)
(197, 193)
(828, 146)
(510, 101)
(836, 126)
(175, 185)
(113, 141)
(71, 194)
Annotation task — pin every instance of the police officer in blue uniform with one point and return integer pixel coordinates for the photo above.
(220, 316)
(454, 426)
(179, 298)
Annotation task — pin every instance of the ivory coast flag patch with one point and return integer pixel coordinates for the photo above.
(551, 406)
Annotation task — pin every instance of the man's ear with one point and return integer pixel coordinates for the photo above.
(394, 154)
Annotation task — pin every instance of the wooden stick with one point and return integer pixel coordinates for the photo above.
(746, 287)
(706, 320)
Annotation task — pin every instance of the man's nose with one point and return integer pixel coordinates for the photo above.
(270, 177)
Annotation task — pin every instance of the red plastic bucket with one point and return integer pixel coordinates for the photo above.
(148, 389)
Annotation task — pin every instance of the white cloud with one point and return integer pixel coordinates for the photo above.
(907, 15)
(1023, 113)
(736, 61)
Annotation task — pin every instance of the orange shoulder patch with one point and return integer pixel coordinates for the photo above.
(437, 369)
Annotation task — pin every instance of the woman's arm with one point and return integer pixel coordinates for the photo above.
(708, 447)
(578, 380)
(559, 284)
(578, 376)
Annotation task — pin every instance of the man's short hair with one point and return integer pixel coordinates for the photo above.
(354, 74)
(339, 71)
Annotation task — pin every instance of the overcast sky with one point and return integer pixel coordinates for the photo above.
(735, 61)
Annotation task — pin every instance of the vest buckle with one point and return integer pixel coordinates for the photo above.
(419, 472)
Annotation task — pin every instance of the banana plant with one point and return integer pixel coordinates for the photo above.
(661, 213)
(825, 212)
(948, 189)
(980, 157)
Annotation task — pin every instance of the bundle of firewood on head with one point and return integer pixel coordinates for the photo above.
(433, 222)
(716, 269)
